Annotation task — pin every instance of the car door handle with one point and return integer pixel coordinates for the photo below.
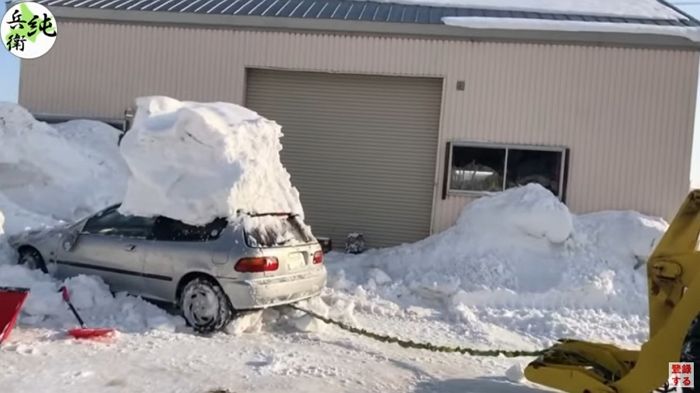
(130, 247)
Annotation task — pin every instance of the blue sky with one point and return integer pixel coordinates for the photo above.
(9, 84)
(9, 67)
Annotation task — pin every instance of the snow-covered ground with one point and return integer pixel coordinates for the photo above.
(517, 271)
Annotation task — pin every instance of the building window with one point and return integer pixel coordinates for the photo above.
(491, 168)
(477, 168)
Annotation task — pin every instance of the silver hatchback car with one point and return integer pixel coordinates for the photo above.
(210, 272)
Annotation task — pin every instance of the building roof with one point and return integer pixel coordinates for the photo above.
(358, 10)
(406, 17)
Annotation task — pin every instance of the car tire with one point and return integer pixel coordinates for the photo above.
(205, 306)
(31, 258)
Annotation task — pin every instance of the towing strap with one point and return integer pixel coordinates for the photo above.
(417, 345)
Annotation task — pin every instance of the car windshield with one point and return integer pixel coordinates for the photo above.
(275, 229)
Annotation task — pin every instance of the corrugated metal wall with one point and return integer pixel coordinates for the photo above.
(626, 114)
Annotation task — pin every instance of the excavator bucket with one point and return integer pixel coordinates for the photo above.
(674, 303)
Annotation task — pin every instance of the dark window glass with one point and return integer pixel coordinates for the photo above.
(167, 229)
(534, 166)
(109, 222)
(102, 220)
(273, 230)
(477, 168)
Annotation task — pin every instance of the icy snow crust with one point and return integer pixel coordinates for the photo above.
(198, 161)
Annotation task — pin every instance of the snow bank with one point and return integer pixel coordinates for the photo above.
(198, 161)
(50, 174)
(91, 296)
(531, 212)
(691, 33)
(521, 248)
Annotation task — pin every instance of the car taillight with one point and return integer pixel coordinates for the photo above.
(318, 257)
(257, 265)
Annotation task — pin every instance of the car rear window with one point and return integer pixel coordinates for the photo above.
(276, 230)
(168, 229)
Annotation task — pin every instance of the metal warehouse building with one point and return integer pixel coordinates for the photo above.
(393, 120)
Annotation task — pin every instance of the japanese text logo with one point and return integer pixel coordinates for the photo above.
(28, 30)
(681, 375)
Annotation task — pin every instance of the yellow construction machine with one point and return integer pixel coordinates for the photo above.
(674, 331)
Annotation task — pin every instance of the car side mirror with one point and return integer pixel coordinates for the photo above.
(70, 238)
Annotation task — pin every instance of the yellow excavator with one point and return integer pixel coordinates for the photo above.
(674, 329)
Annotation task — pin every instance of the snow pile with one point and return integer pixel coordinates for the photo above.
(287, 318)
(91, 297)
(521, 248)
(53, 174)
(198, 161)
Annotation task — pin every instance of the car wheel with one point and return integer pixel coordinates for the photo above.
(205, 306)
(32, 259)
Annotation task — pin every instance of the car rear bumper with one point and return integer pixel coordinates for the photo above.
(274, 291)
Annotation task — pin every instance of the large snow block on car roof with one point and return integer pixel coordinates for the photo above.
(195, 162)
(11, 301)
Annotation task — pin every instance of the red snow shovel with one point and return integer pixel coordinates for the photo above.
(11, 301)
(82, 332)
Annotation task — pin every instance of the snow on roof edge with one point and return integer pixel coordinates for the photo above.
(638, 9)
(690, 33)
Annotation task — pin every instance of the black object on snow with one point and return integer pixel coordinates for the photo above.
(355, 243)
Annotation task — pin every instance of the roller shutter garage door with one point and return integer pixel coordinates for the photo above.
(360, 149)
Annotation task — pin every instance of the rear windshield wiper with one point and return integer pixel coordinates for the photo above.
(277, 214)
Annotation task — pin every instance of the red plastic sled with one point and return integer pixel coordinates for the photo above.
(11, 301)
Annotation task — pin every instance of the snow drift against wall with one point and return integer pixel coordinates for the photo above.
(198, 161)
(519, 248)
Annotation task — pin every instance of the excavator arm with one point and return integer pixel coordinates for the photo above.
(674, 302)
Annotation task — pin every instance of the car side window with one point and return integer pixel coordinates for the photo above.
(167, 229)
(111, 223)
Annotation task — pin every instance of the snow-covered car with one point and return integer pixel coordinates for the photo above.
(209, 271)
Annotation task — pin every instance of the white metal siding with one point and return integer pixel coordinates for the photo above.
(626, 114)
(360, 149)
